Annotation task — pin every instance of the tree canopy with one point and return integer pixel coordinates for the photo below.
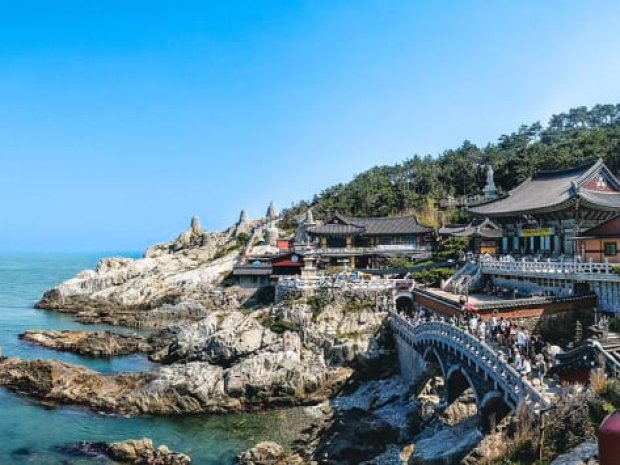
(569, 139)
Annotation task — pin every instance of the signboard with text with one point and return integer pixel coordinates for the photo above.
(537, 232)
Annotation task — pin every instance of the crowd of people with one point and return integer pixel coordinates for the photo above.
(528, 353)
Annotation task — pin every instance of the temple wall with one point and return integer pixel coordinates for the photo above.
(528, 287)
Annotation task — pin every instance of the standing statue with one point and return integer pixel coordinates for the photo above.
(272, 213)
(490, 190)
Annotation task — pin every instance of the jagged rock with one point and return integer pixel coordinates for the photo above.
(448, 445)
(119, 289)
(268, 453)
(134, 451)
(259, 380)
(355, 436)
(221, 338)
(461, 409)
(584, 454)
(95, 344)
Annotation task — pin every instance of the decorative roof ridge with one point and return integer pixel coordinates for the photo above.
(599, 165)
(589, 166)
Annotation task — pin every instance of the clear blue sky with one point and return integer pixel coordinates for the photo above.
(119, 120)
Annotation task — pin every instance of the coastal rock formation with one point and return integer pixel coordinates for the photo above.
(221, 338)
(446, 445)
(133, 451)
(584, 454)
(95, 344)
(262, 380)
(268, 453)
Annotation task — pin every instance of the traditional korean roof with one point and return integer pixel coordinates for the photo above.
(610, 228)
(593, 184)
(396, 225)
(484, 228)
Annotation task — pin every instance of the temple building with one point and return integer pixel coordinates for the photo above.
(368, 242)
(483, 235)
(601, 243)
(546, 212)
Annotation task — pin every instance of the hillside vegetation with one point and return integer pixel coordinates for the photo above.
(568, 139)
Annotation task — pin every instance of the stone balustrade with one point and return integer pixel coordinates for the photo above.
(549, 268)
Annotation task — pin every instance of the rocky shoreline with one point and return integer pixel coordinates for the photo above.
(226, 349)
(95, 344)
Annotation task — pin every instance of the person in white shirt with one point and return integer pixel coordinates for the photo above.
(473, 324)
(521, 340)
(526, 368)
(482, 330)
(493, 326)
(518, 360)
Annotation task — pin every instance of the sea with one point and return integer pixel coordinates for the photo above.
(35, 433)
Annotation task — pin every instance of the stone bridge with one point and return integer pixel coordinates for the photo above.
(464, 362)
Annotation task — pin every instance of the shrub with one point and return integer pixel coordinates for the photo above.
(242, 239)
(279, 326)
(433, 277)
(317, 303)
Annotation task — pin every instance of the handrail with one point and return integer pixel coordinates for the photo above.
(569, 268)
(479, 352)
(615, 364)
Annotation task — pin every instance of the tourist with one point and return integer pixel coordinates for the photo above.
(526, 368)
(493, 325)
(482, 328)
(473, 325)
(517, 360)
(522, 340)
(501, 330)
(513, 334)
(541, 368)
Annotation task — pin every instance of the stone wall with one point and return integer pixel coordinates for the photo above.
(412, 365)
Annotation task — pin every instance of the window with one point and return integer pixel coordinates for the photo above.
(610, 249)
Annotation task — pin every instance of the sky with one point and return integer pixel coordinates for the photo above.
(119, 120)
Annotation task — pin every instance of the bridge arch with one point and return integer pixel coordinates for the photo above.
(492, 410)
(432, 358)
(457, 382)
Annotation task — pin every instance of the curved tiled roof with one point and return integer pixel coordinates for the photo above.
(392, 225)
(553, 190)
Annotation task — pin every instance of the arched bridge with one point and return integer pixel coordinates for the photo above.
(464, 362)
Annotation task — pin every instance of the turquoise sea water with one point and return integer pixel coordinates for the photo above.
(31, 433)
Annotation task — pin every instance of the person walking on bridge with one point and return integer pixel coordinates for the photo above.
(482, 331)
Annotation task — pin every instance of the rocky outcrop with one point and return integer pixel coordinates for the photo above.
(584, 454)
(95, 344)
(445, 445)
(262, 380)
(134, 451)
(268, 453)
(221, 338)
(121, 285)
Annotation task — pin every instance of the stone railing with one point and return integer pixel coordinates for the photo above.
(295, 282)
(484, 357)
(396, 248)
(551, 269)
(461, 201)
